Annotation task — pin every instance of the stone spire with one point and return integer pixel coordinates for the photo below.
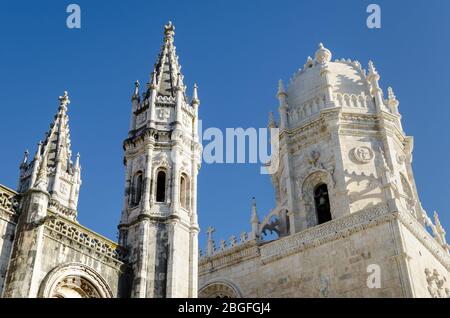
(166, 76)
(254, 218)
(195, 100)
(77, 162)
(25, 157)
(136, 91)
(57, 141)
(52, 169)
(281, 90)
(392, 101)
(272, 122)
(24, 163)
(254, 221)
(440, 231)
(42, 177)
(373, 77)
(282, 99)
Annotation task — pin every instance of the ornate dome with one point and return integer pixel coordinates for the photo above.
(344, 81)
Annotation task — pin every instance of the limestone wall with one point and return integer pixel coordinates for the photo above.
(428, 263)
(8, 221)
(67, 243)
(330, 260)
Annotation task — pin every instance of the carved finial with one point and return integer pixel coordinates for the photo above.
(254, 218)
(309, 62)
(178, 84)
(25, 157)
(272, 123)
(136, 90)
(391, 94)
(41, 180)
(323, 55)
(169, 31)
(38, 151)
(153, 83)
(372, 69)
(281, 88)
(195, 100)
(244, 237)
(77, 161)
(64, 100)
(233, 241)
(392, 101)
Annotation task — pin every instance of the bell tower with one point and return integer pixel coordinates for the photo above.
(342, 145)
(162, 158)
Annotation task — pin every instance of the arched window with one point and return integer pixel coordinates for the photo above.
(161, 186)
(137, 188)
(184, 192)
(322, 203)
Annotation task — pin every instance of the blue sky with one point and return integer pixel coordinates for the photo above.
(236, 51)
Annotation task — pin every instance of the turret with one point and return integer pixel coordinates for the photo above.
(373, 77)
(282, 98)
(254, 221)
(52, 162)
(162, 159)
(195, 103)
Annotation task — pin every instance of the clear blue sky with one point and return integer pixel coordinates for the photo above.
(236, 51)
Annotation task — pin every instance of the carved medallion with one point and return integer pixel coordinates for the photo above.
(313, 157)
(362, 154)
(163, 113)
(400, 158)
(142, 117)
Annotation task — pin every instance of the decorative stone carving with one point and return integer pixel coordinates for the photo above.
(163, 113)
(219, 290)
(74, 280)
(161, 161)
(363, 154)
(329, 231)
(186, 120)
(436, 284)
(400, 158)
(8, 201)
(58, 228)
(313, 157)
(272, 226)
(141, 118)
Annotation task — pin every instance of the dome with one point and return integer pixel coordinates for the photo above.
(307, 93)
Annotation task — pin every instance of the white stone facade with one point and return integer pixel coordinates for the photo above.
(338, 134)
(346, 203)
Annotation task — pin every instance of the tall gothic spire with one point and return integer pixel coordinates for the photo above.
(52, 168)
(166, 76)
(56, 145)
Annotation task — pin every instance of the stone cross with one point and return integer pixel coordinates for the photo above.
(210, 231)
(211, 247)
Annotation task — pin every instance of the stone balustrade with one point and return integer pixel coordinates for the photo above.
(61, 228)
